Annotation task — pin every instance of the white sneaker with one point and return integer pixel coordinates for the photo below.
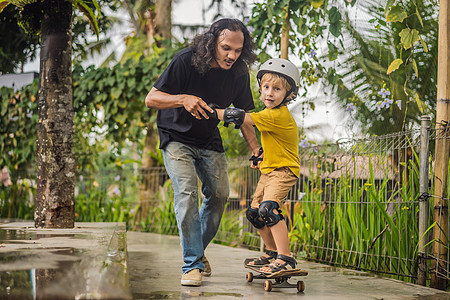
(192, 278)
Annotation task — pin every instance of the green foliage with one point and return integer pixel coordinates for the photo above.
(112, 99)
(32, 13)
(161, 218)
(268, 19)
(108, 104)
(231, 227)
(305, 20)
(16, 47)
(18, 121)
(20, 27)
(334, 16)
(17, 200)
(30, 17)
(394, 54)
(101, 206)
(399, 57)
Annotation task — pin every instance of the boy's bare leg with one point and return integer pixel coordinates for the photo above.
(267, 237)
(280, 237)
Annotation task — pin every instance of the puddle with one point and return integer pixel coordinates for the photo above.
(183, 295)
(29, 284)
(16, 285)
(12, 235)
(50, 258)
(50, 264)
(26, 273)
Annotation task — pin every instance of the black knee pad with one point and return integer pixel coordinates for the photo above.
(253, 216)
(267, 215)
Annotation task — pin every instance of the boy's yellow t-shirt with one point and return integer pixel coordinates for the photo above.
(279, 139)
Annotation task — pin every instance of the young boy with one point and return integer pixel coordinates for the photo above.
(278, 81)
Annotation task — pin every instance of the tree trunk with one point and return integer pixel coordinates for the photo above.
(284, 47)
(163, 20)
(55, 201)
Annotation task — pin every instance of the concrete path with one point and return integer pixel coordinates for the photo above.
(154, 264)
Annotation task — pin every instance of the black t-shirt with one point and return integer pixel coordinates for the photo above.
(222, 87)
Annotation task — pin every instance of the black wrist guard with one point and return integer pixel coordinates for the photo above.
(233, 115)
(255, 159)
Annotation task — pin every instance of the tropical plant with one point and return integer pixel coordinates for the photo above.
(388, 75)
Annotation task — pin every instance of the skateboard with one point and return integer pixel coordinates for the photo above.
(281, 278)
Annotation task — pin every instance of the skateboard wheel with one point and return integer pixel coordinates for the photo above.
(300, 286)
(249, 277)
(268, 285)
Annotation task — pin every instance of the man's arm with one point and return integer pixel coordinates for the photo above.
(193, 104)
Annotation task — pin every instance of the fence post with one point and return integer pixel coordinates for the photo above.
(423, 199)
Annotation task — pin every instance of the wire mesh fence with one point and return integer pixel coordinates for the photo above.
(358, 204)
(353, 204)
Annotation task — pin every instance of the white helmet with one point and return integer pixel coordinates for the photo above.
(284, 68)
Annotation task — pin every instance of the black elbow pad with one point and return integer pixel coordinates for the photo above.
(233, 115)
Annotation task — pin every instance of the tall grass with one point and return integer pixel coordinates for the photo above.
(368, 225)
(17, 200)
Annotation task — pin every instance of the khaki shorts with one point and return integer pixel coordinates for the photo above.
(274, 186)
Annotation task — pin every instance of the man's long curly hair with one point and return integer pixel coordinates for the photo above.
(204, 46)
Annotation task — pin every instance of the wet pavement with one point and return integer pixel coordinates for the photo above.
(86, 262)
(154, 263)
(103, 261)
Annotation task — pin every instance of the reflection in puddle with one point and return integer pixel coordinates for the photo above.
(12, 235)
(30, 284)
(53, 264)
(30, 273)
(16, 285)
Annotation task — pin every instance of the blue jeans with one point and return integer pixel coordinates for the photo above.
(196, 227)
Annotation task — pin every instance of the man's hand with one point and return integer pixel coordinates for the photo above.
(213, 115)
(196, 106)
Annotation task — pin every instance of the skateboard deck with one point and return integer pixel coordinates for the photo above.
(281, 277)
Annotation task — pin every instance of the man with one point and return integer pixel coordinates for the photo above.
(213, 70)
